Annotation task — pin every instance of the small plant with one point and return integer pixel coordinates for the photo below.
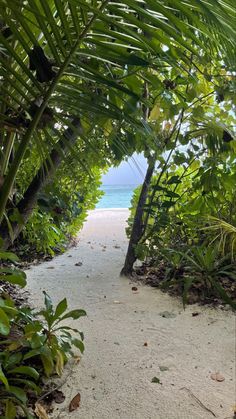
(42, 233)
(49, 339)
(16, 380)
(32, 344)
(204, 264)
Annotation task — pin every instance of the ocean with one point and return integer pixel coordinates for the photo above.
(116, 196)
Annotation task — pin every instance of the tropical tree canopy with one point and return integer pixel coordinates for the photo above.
(84, 84)
(79, 69)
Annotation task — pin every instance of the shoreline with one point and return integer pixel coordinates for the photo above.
(110, 209)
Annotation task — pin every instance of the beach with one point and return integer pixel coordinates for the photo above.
(139, 363)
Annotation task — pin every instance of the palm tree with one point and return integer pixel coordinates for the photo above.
(64, 60)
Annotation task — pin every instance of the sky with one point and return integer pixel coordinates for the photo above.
(129, 172)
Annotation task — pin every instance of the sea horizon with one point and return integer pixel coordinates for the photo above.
(116, 196)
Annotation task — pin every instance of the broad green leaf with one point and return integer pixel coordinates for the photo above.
(48, 364)
(14, 276)
(60, 309)
(18, 393)
(59, 362)
(26, 383)
(31, 354)
(48, 302)
(10, 412)
(79, 344)
(74, 314)
(24, 370)
(47, 360)
(174, 179)
(9, 256)
(13, 360)
(4, 323)
(172, 194)
(3, 378)
(167, 204)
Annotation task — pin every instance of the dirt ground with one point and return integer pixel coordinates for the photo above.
(133, 336)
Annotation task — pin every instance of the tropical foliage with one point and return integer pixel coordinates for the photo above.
(84, 84)
(72, 70)
(190, 208)
(33, 344)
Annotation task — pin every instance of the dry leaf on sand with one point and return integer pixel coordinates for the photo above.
(75, 402)
(40, 411)
(216, 376)
(78, 264)
(77, 359)
(58, 396)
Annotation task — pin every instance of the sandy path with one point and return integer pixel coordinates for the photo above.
(114, 376)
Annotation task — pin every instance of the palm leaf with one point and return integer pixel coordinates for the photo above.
(89, 44)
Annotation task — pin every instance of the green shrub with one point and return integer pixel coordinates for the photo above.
(202, 265)
(33, 344)
(42, 234)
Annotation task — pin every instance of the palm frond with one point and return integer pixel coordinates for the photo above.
(58, 55)
(225, 235)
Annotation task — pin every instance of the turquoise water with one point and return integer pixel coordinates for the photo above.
(116, 196)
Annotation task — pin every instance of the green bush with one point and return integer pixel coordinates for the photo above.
(33, 344)
(42, 233)
(190, 209)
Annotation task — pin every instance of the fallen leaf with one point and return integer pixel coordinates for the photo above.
(145, 344)
(217, 377)
(162, 368)
(134, 289)
(77, 359)
(40, 411)
(167, 315)
(75, 402)
(50, 267)
(58, 396)
(156, 380)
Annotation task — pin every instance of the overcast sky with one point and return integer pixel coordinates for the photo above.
(131, 172)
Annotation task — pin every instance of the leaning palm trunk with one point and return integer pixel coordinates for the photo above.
(27, 204)
(137, 227)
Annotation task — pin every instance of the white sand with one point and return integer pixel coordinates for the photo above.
(115, 373)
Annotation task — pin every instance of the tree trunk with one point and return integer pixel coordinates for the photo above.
(27, 204)
(137, 228)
